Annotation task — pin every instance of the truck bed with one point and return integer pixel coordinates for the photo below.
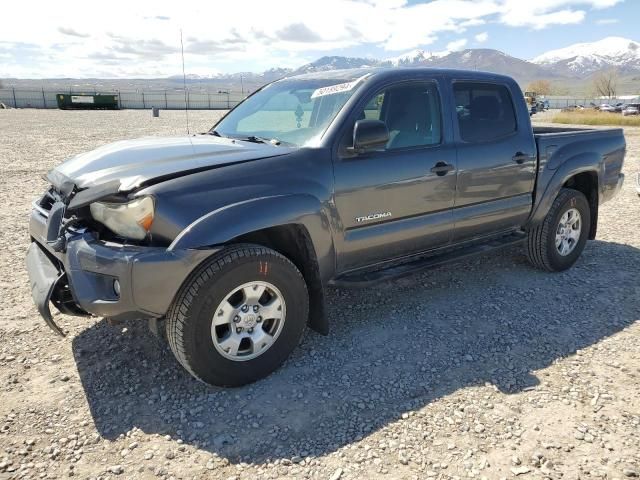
(558, 143)
(576, 148)
(553, 130)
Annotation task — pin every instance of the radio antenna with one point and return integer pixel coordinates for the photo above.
(184, 82)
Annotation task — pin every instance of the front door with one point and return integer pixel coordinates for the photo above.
(397, 200)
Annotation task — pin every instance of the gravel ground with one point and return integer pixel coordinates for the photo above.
(481, 369)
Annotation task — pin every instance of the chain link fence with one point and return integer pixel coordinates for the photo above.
(564, 102)
(587, 102)
(163, 99)
(198, 99)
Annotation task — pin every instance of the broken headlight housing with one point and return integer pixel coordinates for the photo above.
(131, 220)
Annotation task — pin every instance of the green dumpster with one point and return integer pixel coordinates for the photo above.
(79, 101)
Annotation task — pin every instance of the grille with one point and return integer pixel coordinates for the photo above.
(47, 200)
(45, 203)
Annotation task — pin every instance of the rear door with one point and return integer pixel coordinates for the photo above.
(496, 157)
(398, 200)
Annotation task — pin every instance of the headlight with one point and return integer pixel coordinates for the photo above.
(130, 220)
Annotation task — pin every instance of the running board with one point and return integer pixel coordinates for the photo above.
(365, 278)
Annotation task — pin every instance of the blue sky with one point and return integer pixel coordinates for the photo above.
(621, 20)
(142, 38)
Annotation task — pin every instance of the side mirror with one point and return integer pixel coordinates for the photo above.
(369, 134)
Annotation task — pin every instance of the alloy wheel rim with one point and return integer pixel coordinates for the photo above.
(248, 321)
(568, 231)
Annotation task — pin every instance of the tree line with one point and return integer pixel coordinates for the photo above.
(603, 84)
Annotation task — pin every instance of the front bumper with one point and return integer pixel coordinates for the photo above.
(81, 280)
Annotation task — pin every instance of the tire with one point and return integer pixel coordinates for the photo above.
(541, 247)
(201, 348)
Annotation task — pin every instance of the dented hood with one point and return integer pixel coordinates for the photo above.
(133, 163)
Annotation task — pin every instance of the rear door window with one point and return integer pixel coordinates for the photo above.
(485, 111)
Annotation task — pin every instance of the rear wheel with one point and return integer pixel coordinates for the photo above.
(556, 243)
(239, 316)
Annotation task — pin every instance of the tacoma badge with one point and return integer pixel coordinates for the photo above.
(373, 216)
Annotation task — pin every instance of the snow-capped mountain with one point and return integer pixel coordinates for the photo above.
(413, 58)
(238, 77)
(196, 76)
(472, 59)
(577, 61)
(490, 60)
(336, 63)
(582, 59)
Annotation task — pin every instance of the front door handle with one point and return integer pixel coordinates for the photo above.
(442, 168)
(520, 158)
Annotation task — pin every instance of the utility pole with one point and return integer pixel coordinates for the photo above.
(241, 85)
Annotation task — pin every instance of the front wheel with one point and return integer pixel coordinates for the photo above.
(556, 243)
(238, 316)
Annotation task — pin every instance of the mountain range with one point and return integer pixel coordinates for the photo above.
(584, 59)
(473, 59)
(572, 68)
(569, 65)
(576, 61)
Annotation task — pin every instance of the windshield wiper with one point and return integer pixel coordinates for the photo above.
(256, 139)
(248, 138)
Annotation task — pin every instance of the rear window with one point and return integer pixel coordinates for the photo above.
(485, 111)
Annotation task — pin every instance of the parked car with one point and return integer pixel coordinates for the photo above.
(618, 107)
(605, 107)
(631, 109)
(229, 238)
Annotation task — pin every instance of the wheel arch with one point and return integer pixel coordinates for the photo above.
(294, 242)
(587, 183)
(582, 173)
(297, 226)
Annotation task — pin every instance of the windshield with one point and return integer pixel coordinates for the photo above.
(295, 111)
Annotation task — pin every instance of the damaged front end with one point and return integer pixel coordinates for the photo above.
(49, 282)
(84, 269)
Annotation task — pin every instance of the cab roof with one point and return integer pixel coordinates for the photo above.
(399, 73)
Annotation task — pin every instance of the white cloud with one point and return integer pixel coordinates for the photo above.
(607, 21)
(481, 37)
(143, 37)
(456, 44)
(420, 24)
(474, 22)
(545, 13)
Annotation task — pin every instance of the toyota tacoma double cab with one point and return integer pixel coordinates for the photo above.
(227, 240)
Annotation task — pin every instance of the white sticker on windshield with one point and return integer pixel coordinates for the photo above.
(339, 88)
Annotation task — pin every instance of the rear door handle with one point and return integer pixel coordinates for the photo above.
(520, 158)
(442, 168)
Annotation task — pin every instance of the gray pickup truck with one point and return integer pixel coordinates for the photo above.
(228, 239)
